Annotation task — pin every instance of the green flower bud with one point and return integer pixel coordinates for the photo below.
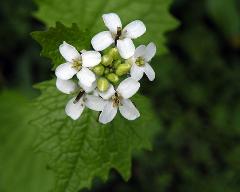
(106, 71)
(99, 70)
(113, 52)
(123, 69)
(113, 77)
(107, 60)
(116, 63)
(102, 84)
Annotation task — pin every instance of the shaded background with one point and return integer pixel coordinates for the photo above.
(196, 95)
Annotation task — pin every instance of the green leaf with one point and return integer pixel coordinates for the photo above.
(21, 169)
(226, 15)
(52, 38)
(84, 149)
(87, 14)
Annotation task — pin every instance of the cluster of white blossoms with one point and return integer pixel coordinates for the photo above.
(105, 79)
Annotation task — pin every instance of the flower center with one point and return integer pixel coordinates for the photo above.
(77, 64)
(140, 61)
(116, 99)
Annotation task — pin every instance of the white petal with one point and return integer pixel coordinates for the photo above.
(65, 71)
(91, 58)
(128, 87)
(102, 40)
(136, 72)
(126, 48)
(112, 22)
(109, 93)
(69, 52)
(140, 51)
(74, 110)
(128, 110)
(66, 86)
(86, 77)
(134, 29)
(95, 103)
(95, 93)
(108, 113)
(88, 89)
(150, 51)
(149, 72)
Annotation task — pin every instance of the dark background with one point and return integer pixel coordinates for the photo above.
(196, 95)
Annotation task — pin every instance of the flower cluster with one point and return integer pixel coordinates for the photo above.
(105, 79)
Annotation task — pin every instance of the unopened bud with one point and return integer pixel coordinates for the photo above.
(107, 60)
(102, 84)
(123, 69)
(99, 70)
(113, 52)
(106, 71)
(116, 63)
(113, 77)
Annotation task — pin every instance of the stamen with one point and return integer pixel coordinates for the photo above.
(140, 61)
(77, 64)
(119, 33)
(116, 98)
(79, 96)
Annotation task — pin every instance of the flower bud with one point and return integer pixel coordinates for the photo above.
(113, 52)
(107, 60)
(116, 63)
(106, 71)
(99, 70)
(113, 77)
(123, 69)
(102, 84)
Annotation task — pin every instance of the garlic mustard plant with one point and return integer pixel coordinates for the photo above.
(104, 79)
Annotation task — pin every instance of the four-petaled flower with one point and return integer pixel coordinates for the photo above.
(121, 37)
(74, 108)
(76, 105)
(140, 62)
(119, 99)
(77, 64)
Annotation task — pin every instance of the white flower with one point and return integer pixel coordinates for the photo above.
(77, 63)
(119, 99)
(122, 37)
(140, 62)
(75, 106)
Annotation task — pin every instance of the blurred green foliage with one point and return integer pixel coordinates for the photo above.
(21, 169)
(20, 64)
(196, 94)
